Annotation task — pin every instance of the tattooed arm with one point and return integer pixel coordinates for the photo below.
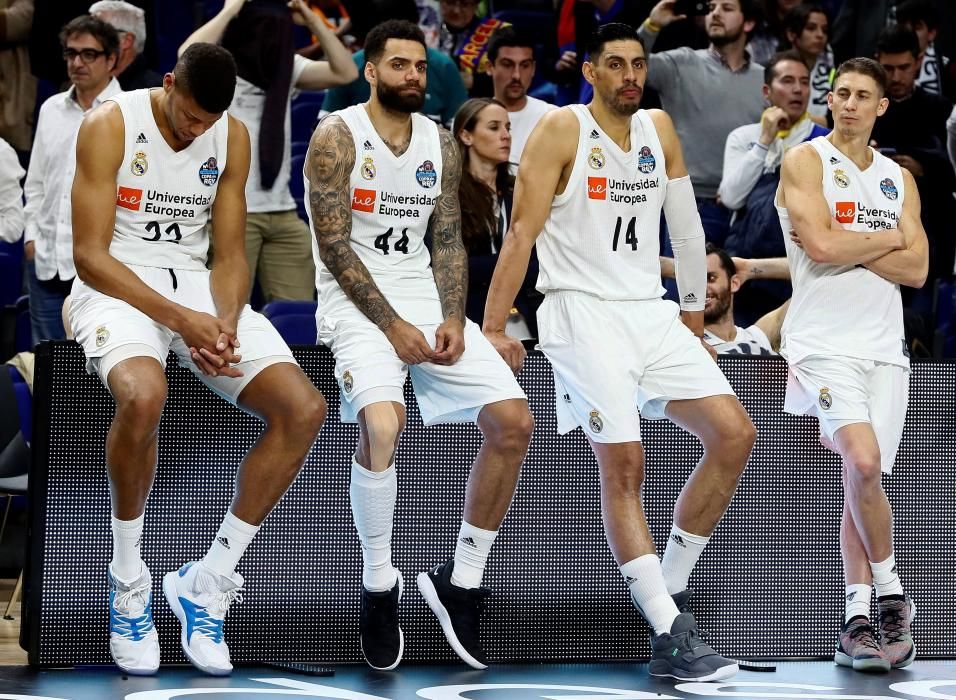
(328, 166)
(449, 259)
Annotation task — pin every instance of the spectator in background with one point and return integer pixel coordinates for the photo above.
(11, 196)
(90, 49)
(18, 87)
(857, 26)
(913, 133)
(511, 66)
(708, 93)
(464, 38)
(260, 37)
(485, 192)
(807, 27)
(752, 158)
(922, 17)
(723, 330)
(445, 92)
(130, 23)
(769, 36)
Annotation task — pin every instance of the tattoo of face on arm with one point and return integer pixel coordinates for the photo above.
(328, 166)
(449, 259)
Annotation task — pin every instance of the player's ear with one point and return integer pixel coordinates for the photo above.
(369, 72)
(587, 69)
(884, 104)
(735, 284)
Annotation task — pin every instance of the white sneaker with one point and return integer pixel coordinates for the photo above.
(200, 598)
(134, 644)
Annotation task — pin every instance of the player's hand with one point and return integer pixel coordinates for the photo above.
(511, 350)
(568, 61)
(299, 10)
(410, 344)
(744, 271)
(910, 164)
(232, 7)
(663, 13)
(772, 120)
(29, 250)
(212, 343)
(449, 342)
(710, 349)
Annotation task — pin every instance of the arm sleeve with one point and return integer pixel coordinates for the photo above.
(687, 239)
(743, 164)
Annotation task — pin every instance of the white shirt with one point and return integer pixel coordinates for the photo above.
(929, 78)
(602, 236)
(821, 77)
(951, 136)
(247, 106)
(747, 341)
(523, 122)
(846, 310)
(49, 218)
(11, 196)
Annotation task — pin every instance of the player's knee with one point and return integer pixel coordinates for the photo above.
(314, 412)
(735, 440)
(509, 426)
(140, 406)
(384, 427)
(862, 468)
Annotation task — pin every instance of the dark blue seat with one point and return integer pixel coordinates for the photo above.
(275, 309)
(296, 329)
(297, 184)
(304, 116)
(23, 336)
(11, 275)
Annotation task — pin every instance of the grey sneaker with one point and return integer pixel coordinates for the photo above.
(858, 649)
(682, 655)
(896, 637)
(682, 600)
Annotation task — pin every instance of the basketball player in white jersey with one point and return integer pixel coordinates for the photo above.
(379, 178)
(857, 236)
(152, 168)
(593, 181)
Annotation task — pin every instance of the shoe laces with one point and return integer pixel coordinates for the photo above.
(891, 623)
(123, 622)
(208, 620)
(863, 634)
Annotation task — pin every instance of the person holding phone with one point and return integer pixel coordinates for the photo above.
(723, 78)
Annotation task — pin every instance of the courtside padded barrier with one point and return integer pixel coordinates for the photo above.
(769, 585)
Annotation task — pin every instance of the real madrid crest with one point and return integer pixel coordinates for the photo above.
(368, 168)
(596, 158)
(841, 179)
(102, 336)
(347, 382)
(595, 422)
(138, 166)
(826, 399)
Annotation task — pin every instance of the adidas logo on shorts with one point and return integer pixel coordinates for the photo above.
(690, 298)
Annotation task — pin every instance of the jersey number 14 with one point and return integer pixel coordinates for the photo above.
(630, 235)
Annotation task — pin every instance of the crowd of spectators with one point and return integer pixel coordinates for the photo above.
(743, 81)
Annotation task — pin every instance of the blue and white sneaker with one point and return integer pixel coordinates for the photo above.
(134, 644)
(200, 598)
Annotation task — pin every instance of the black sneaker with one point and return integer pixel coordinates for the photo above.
(682, 600)
(458, 611)
(381, 637)
(682, 655)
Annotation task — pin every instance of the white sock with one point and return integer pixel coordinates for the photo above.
(373, 496)
(857, 600)
(471, 555)
(885, 578)
(230, 544)
(680, 557)
(127, 539)
(648, 592)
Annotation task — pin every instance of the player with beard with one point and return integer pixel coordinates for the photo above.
(592, 184)
(725, 276)
(380, 177)
(855, 234)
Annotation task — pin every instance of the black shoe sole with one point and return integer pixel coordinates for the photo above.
(430, 594)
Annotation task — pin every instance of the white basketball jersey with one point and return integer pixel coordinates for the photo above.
(392, 201)
(748, 341)
(846, 309)
(602, 236)
(164, 197)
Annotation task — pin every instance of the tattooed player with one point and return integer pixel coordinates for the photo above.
(380, 177)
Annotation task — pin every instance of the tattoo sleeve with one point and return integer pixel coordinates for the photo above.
(329, 165)
(449, 259)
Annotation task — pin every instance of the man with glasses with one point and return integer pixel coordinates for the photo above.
(90, 49)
